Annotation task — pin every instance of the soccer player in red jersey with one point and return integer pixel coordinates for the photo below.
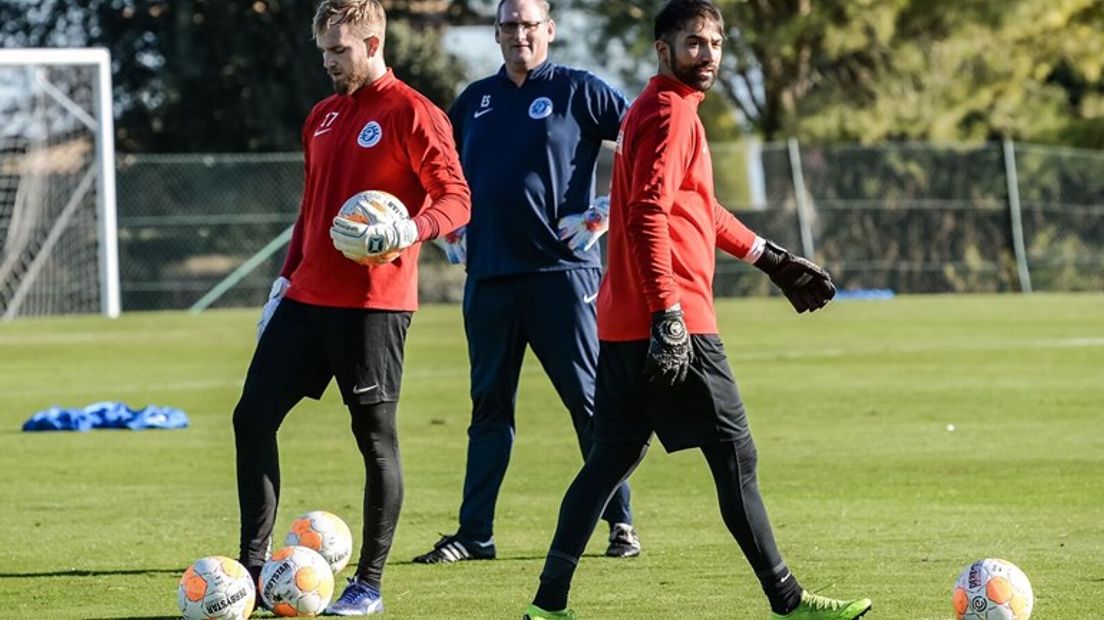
(330, 316)
(661, 366)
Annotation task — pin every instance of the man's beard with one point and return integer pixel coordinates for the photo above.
(688, 74)
(349, 82)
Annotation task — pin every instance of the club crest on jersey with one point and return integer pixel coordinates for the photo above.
(540, 108)
(370, 135)
(485, 102)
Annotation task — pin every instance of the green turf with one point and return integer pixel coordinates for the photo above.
(869, 492)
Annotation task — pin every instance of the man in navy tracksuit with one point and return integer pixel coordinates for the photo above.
(529, 138)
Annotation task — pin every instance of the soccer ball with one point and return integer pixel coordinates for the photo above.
(327, 534)
(296, 582)
(374, 207)
(992, 590)
(216, 588)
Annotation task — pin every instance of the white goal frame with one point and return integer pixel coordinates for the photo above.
(101, 122)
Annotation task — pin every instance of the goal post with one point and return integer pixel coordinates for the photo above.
(58, 229)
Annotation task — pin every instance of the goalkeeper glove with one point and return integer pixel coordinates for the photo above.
(803, 282)
(455, 245)
(358, 241)
(279, 287)
(669, 350)
(582, 230)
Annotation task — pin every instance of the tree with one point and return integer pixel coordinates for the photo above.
(973, 71)
(893, 69)
(202, 75)
(777, 54)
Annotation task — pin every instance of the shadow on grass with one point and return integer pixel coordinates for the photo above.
(177, 617)
(75, 572)
(510, 558)
(516, 558)
(257, 613)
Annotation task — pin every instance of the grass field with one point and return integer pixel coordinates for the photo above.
(869, 491)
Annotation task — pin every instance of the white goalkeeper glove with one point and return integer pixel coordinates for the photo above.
(279, 287)
(358, 241)
(582, 230)
(455, 245)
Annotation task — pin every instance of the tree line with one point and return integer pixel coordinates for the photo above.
(207, 75)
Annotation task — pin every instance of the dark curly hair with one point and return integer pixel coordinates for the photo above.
(677, 13)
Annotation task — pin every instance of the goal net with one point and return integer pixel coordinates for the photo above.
(58, 251)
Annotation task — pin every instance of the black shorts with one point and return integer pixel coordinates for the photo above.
(704, 409)
(304, 346)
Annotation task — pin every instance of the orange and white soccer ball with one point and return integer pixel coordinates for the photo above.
(374, 207)
(327, 534)
(992, 589)
(216, 588)
(296, 581)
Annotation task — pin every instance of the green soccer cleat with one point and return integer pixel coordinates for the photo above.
(816, 607)
(533, 612)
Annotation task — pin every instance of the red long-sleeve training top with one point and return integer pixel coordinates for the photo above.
(385, 136)
(665, 222)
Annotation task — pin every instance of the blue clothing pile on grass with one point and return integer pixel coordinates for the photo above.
(109, 414)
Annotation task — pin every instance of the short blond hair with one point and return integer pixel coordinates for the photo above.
(364, 17)
(543, 5)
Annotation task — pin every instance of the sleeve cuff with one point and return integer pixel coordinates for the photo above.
(427, 228)
(756, 250)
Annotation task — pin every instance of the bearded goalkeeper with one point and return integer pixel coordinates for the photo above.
(661, 365)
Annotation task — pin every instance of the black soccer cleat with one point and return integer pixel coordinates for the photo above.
(623, 541)
(452, 549)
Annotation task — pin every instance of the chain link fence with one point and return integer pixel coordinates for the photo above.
(923, 218)
(187, 221)
(912, 218)
(1062, 193)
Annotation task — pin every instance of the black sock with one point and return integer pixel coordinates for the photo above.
(782, 590)
(371, 582)
(374, 429)
(733, 466)
(606, 467)
(254, 573)
(555, 582)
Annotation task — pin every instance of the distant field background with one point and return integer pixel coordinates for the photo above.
(869, 491)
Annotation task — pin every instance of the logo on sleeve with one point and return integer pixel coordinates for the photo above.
(620, 140)
(370, 135)
(540, 108)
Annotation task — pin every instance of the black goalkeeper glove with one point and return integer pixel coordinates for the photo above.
(669, 351)
(803, 282)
